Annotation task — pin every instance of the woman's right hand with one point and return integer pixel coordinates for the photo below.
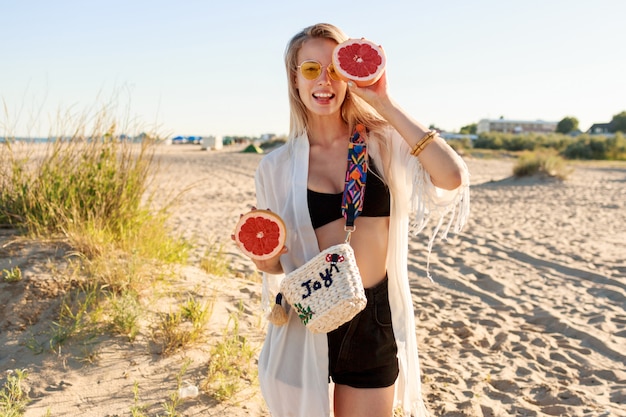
(271, 265)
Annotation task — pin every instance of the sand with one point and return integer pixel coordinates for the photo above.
(525, 317)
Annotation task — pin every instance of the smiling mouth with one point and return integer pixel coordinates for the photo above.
(323, 96)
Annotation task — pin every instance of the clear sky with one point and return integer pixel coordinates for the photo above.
(216, 67)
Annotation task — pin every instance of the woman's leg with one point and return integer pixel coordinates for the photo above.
(363, 402)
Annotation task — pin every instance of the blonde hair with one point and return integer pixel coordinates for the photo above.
(353, 109)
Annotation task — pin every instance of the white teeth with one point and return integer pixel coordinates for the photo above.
(323, 95)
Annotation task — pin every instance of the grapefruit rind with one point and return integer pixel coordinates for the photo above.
(359, 60)
(260, 234)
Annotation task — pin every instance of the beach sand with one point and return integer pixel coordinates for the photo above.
(526, 315)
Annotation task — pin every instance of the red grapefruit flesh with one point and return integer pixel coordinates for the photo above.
(260, 234)
(359, 60)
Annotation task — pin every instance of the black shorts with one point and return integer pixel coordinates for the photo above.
(363, 352)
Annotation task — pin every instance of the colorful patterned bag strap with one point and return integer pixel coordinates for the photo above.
(356, 174)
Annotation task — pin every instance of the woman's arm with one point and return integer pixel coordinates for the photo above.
(441, 162)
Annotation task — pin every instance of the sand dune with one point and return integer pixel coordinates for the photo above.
(526, 315)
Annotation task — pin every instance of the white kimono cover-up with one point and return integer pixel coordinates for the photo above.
(293, 364)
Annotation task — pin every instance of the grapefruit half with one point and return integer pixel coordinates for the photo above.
(260, 234)
(359, 60)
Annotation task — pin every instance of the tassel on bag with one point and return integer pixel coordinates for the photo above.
(278, 315)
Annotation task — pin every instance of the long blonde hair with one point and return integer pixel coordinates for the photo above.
(353, 109)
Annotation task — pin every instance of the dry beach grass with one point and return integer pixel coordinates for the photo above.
(526, 315)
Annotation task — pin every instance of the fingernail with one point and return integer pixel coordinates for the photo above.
(350, 84)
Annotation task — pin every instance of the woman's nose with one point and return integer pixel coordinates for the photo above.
(324, 77)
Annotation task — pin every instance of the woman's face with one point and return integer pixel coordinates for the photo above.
(322, 96)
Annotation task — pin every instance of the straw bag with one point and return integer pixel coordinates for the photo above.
(327, 291)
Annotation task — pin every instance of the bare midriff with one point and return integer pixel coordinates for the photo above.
(369, 242)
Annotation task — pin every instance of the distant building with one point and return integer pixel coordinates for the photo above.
(599, 128)
(212, 143)
(515, 126)
(449, 136)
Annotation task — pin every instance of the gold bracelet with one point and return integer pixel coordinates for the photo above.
(421, 145)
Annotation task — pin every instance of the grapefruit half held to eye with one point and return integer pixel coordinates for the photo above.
(359, 60)
(260, 234)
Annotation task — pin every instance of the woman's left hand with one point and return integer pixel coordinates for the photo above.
(375, 95)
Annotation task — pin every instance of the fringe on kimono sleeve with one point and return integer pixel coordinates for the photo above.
(448, 208)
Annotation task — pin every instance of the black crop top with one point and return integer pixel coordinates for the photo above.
(325, 208)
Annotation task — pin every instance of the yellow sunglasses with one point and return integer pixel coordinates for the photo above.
(313, 69)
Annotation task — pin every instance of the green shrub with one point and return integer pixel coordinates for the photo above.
(617, 147)
(488, 141)
(520, 141)
(460, 145)
(597, 147)
(578, 150)
(13, 398)
(179, 329)
(231, 364)
(12, 275)
(125, 314)
(580, 147)
(214, 260)
(544, 163)
(90, 191)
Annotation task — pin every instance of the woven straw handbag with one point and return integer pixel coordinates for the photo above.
(327, 291)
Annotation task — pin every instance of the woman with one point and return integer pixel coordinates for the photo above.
(369, 366)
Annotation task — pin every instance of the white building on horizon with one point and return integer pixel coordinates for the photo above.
(515, 126)
(212, 143)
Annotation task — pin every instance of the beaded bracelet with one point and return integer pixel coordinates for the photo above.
(421, 145)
